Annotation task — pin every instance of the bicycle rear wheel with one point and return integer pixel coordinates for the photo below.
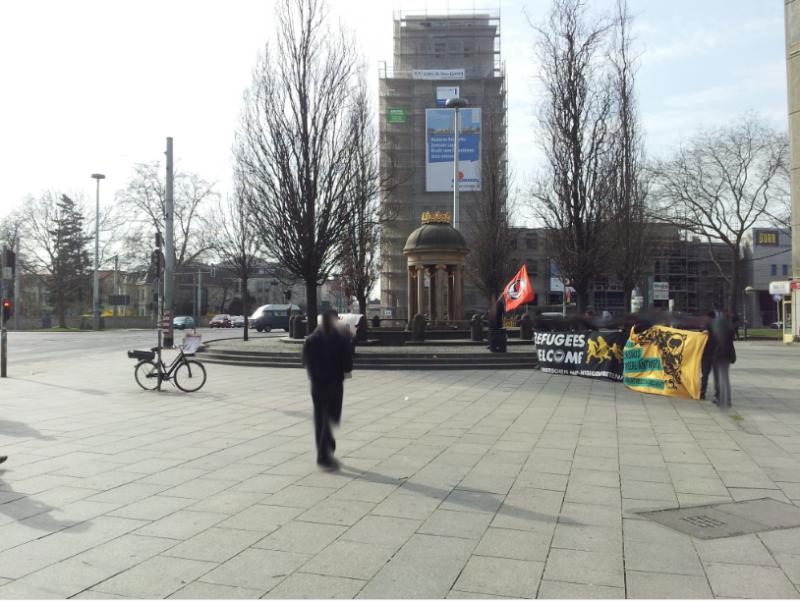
(190, 376)
(147, 375)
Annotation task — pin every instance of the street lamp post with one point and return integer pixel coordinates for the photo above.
(96, 279)
(747, 292)
(456, 103)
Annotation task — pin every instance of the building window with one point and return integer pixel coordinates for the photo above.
(531, 242)
(785, 270)
(513, 243)
(773, 268)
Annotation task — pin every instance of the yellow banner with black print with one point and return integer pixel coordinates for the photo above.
(662, 360)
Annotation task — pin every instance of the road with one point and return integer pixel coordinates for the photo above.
(26, 348)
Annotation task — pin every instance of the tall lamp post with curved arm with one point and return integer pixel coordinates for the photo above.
(456, 103)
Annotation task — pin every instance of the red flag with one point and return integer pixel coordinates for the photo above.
(519, 290)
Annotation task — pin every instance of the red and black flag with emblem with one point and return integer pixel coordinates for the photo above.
(519, 290)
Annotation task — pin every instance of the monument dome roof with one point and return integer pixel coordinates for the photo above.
(435, 236)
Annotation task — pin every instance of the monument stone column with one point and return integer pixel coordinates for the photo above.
(420, 289)
(451, 305)
(431, 294)
(411, 292)
(458, 285)
(441, 304)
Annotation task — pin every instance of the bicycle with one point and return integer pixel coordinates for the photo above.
(187, 374)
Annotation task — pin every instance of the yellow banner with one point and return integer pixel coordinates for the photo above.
(662, 360)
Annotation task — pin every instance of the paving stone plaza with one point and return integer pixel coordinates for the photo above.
(460, 484)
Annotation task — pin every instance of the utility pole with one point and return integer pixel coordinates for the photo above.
(96, 278)
(116, 272)
(3, 333)
(199, 297)
(169, 247)
(17, 286)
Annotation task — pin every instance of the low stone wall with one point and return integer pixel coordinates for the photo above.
(84, 323)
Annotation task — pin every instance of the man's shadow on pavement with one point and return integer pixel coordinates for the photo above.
(471, 499)
(36, 514)
(21, 430)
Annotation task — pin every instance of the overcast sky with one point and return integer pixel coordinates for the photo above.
(95, 86)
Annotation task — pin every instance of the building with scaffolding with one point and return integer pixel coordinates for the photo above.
(436, 57)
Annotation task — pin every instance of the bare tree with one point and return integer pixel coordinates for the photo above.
(10, 228)
(720, 184)
(490, 262)
(572, 198)
(629, 224)
(780, 210)
(56, 246)
(295, 144)
(359, 254)
(144, 199)
(237, 242)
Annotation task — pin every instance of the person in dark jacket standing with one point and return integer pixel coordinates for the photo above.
(708, 356)
(724, 355)
(328, 358)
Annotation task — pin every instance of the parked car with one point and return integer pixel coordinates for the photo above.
(220, 321)
(237, 321)
(181, 322)
(273, 317)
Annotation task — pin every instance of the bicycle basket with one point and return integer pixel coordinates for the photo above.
(142, 355)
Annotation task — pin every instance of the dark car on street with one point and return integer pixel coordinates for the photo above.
(181, 322)
(237, 321)
(273, 317)
(220, 321)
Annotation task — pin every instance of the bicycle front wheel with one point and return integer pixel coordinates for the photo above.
(147, 375)
(190, 376)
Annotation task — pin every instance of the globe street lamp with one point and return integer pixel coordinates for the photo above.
(747, 292)
(456, 103)
(96, 280)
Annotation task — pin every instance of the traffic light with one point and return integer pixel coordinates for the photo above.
(8, 309)
(10, 259)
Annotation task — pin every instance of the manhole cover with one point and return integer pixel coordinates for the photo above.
(729, 519)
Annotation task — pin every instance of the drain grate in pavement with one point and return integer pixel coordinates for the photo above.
(721, 520)
(703, 521)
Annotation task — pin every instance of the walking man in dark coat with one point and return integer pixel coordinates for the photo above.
(328, 358)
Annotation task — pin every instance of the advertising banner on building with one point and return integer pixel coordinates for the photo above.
(434, 74)
(439, 142)
(584, 353)
(662, 360)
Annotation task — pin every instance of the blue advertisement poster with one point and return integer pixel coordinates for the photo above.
(439, 149)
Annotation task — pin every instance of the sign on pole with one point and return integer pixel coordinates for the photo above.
(660, 291)
(445, 93)
(439, 142)
(782, 288)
